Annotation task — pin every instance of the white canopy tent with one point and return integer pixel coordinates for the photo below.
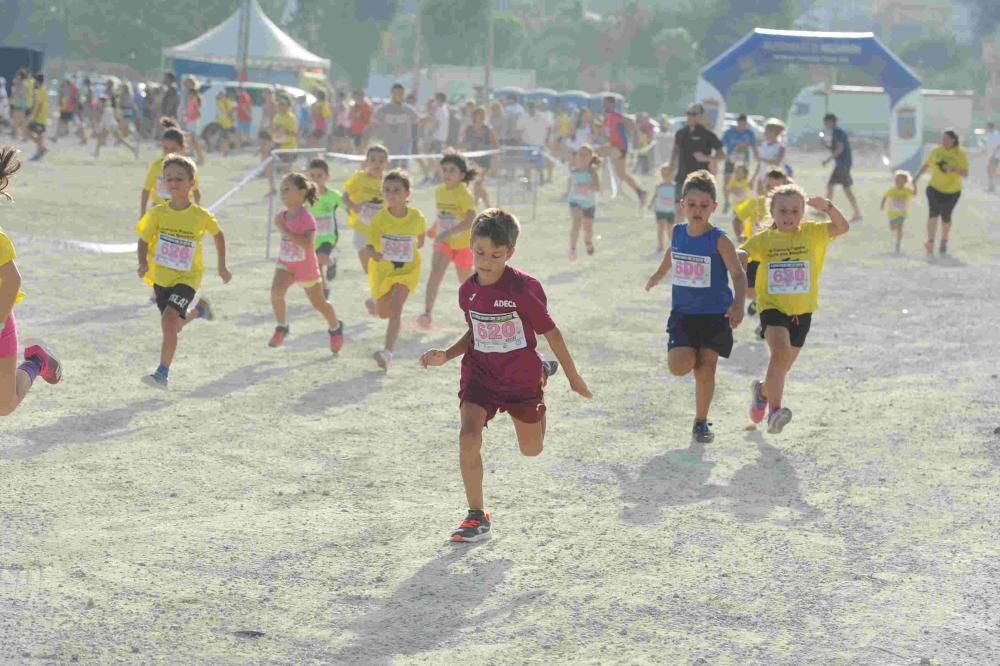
(216, 53)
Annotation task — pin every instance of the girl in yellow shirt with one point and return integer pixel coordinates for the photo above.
(898, 197)
(363, 198)
(948, 164)
(395, 237)
(16, 380)
(453, 228)
(791, 254)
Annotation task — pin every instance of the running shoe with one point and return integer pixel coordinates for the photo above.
(590, 249)
(337, 337)
(331, 270)
(778, 419)
(550, 368)
(383, 358)
(943, 247)
(278, 338)
(424, 320)
(572, 255)
(155, 380)
(758, 403)
(51, 367)
(205, 310)
(475, 527)
(929, 247)
(701, 432)
(752, 308)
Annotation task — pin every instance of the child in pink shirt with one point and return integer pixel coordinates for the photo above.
(297, 261)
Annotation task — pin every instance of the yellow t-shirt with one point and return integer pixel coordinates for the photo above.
(396, 238)
(452, 206)
(30, 87)
(177, 236)
(897, 200)
(290, 126)
(156, 186)
(954, 158)
(224, 113)
(751, 212)
(7, 255)
(740, 189)
(41, 107)
(365, 190)
(790, 264)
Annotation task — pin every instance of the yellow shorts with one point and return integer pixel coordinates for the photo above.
(382, 276)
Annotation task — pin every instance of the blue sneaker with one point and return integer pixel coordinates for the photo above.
(701, 432)
(156, 380)
(475, 527)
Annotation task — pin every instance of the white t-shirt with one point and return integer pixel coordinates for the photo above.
(441, 119)
(992, 143)
(533, 128)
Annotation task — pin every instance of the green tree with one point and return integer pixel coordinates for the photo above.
(455, 33)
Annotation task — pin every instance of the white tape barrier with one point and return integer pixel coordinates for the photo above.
(124, 248)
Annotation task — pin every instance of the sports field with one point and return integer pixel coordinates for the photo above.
(285, 506)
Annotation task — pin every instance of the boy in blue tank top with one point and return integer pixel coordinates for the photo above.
(705, 310)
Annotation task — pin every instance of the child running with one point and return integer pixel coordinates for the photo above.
(453, 228)
(363, 198)
(328, 200)
(581, 192)
(898, 196)
(662, 204)
(173, 234)
(297, 262)
(505, 310)
(738, 188)
(39, 360)
(791, 253)
(748, 218)
(155, 186)
(108, 125)
(395, 236)
(705, 310)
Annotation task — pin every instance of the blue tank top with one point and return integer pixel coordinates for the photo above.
(700, 279)
(581, 191)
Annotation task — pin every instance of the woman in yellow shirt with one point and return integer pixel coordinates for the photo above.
(948, 164)
(16, 380)
(395, 237)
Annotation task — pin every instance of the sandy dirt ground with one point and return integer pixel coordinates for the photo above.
(284, 506)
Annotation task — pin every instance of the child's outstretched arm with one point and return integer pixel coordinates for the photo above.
(558, 346)
(433, 357)
(661, 272)
(8, 290)
(220, 252)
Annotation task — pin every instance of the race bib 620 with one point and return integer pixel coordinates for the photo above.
(497, 333)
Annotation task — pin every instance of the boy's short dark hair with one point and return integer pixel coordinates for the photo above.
(498, 225)
(398, 175)
(321, 164)
(777, 174)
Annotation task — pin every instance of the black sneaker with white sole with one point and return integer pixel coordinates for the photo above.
(475, 527)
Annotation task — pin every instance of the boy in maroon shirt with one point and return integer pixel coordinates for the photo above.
(501, 371)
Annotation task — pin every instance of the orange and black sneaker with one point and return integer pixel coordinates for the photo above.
(475, 527)
(278, 337)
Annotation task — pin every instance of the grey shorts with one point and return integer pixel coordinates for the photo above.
(360, 240)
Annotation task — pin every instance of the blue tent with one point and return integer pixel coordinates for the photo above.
(503, 93)
(764, 49)
(539, 94)
(575, 98)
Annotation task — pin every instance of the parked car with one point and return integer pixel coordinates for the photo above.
(208, 128)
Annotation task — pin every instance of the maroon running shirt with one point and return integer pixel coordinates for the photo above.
(504, 318)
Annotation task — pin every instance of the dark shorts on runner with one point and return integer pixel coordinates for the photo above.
(797, 325)
(66, 116)
(665, 216)
(752, 274)
(178, 297)
(941, 204)
(841, 176)
(36, 128)
(324, 248)
(527, 408)
(700, 331)
(587, 212)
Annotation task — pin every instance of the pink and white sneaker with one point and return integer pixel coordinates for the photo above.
(51, 367)
(758, 403)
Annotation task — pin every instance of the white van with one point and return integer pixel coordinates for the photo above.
(209, 129)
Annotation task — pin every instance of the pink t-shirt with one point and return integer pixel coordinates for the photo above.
(301, 261)
(504, 318)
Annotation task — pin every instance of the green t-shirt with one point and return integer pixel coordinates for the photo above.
(325, 212)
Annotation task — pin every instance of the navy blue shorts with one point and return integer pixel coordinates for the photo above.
(701, 331)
